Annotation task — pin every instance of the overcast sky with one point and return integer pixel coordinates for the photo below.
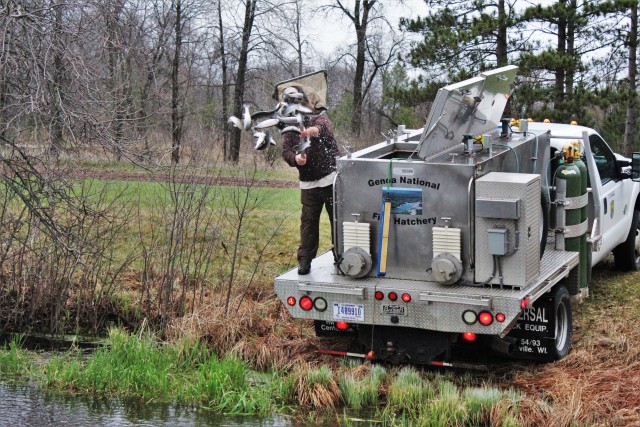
(336, 31)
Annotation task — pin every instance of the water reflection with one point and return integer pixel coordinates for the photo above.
(23, 405)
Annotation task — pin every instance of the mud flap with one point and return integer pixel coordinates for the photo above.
(534, 331)
(405, 345)
(329, 329)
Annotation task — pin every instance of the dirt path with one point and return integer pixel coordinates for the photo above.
(80, 173)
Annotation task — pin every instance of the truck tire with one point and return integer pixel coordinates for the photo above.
(627, 254)
(563, 323)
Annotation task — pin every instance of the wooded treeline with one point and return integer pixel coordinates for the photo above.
(145, 79)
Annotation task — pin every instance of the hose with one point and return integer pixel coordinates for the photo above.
(514, 154)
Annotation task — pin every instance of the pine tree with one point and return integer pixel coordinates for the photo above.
(461, 38)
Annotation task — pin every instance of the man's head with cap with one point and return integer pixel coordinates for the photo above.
(293, 95)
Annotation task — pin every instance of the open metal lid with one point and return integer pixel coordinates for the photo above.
(470, 107)
(313, 85)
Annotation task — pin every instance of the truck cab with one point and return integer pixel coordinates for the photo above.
(613, 197)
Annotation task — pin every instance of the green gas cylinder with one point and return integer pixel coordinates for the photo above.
(584, 254)
(570, 173)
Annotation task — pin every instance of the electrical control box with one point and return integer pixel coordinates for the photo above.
(498, 241)
(508, 222)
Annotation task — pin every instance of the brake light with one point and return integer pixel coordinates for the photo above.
(406, 297)
(500, 317)
(291, 301)
(485, 318)
(306, 303)
(469, 336)
(393, 296)
(379, 295)
(524, 303)
(343, 326)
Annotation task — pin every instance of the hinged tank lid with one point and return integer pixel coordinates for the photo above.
(471, 107)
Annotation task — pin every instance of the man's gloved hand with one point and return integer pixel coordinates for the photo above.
(311, 131)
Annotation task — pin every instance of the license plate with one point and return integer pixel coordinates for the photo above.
(345, 311)
(394, 310)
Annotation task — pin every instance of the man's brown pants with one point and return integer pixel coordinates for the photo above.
(313, 200)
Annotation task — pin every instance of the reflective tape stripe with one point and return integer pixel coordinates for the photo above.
(576, 202)
(576, 230)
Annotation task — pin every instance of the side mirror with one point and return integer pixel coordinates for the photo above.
(635, 167)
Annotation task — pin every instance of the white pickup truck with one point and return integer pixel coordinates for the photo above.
(454, 235)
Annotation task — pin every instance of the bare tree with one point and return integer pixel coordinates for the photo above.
(632, 102)
(225, 82)
(176, 115)
(360, 18)
(238, 92)
(153, 35)
(286, 37)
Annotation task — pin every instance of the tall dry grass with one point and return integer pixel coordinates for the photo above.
(316, 387)
(260, 332)
(598, 383)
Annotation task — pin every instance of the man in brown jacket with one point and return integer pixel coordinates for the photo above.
(317, 170)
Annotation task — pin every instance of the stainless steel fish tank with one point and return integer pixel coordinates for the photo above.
(429, 177)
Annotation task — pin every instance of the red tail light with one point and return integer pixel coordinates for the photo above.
(485, 318)
(379, 295)
(342, 326)
(406, 297)
(500, 317)
(393, 296)
(306, 303)
(469, 336)
(524, 303)
(291, 301)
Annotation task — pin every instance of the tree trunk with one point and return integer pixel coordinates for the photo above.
(571, 51)
(361, 37)
(176, 120)
(151, 69)
(501, 39)
(112, 19)
(238, 93)
(299, 36)
(562, 50)
(632, 103)
(225, 86)
(56, 91)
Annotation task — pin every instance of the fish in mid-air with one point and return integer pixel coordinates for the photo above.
(245, 123)
(263, 140)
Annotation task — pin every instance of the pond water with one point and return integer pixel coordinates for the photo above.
(25, 405)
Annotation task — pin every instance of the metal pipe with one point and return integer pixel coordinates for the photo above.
(334, 226)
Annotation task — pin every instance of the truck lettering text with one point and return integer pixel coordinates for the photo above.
(373, 182)
(535, 328)
(535, 315)
(421, 182)
(417, 221)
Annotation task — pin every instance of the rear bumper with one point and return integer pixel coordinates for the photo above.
(433, 306)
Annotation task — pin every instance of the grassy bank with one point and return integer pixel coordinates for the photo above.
(186, 372)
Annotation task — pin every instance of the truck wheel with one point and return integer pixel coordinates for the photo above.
(627, 254)
(563, 323)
